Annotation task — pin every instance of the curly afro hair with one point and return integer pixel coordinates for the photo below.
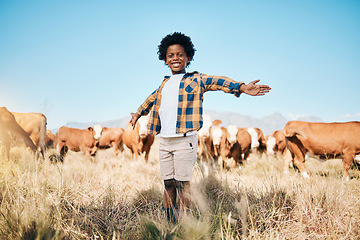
(176, 38)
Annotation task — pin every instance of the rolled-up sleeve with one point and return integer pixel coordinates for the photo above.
(225, 84)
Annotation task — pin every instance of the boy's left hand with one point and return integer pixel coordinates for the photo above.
(253, 89)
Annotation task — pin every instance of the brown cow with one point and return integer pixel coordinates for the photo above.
(112, 137)
(258, 142)
(238, 147)
(276, 145)
(8, 125)
(34, 125)
(85, 140)
(50, 139)
(241, 148)
(325, 140)
(137, 140)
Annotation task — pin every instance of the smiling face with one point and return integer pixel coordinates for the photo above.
(176, 59)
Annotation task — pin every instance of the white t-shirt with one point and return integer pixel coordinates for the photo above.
(169, 106)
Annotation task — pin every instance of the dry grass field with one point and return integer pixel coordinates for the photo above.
(116, 198)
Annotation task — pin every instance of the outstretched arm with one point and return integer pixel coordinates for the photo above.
(253, 89)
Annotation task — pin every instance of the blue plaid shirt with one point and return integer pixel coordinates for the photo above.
(191, 94)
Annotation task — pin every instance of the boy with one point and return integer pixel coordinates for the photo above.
(176, 114)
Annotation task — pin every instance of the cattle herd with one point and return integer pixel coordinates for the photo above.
(216, 144)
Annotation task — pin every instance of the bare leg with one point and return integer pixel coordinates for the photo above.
(183, 189)
(169, 193)
(169, 205)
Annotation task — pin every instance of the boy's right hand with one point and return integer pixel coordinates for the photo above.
(134, 118)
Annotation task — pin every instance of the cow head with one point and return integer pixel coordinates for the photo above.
(270, 145)
(254, 138)
(232, 133)
(216, 134)
(204, 131)
(143, 122)
(97, 130)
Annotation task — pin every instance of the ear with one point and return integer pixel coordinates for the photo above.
(217, 122)
(188, 60)
(90, 129)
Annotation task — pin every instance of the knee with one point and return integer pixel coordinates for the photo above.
(181, 185)
(169, 184)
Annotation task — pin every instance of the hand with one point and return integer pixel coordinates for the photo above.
(134, 118)
(253, 89)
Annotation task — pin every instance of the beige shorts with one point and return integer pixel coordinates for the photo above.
(178, 157)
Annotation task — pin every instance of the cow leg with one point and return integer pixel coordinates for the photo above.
(90, 153)
(136, 154)
(63, 151)
(132, 153)
(116, 149)
(5, 138)
(348, 159)
(287, 159)
(121, 149)
(246, 154)
(147, 155)
(43, 150)
(223, 158)
(234, 162)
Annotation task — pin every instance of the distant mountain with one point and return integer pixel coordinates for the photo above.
(122, 122)
(267, 124)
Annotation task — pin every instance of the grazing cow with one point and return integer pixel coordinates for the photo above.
(112, 137)
(8, 125)
(258, 142)
(327, 140)
(276, 145)
(235, 143)
(50, 140)
(85, 140)
(34, 125)
(240, 149)
(138, 140)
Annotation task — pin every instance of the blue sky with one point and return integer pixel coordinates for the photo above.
(93, 60)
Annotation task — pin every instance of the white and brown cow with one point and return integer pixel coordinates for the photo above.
(9, 126)
(138, 140)
(258, 142)
(238, 147)
(85, 140)
(34, 125)
(112, 137)
(276, 146)
(234, 143)
(327, 140)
